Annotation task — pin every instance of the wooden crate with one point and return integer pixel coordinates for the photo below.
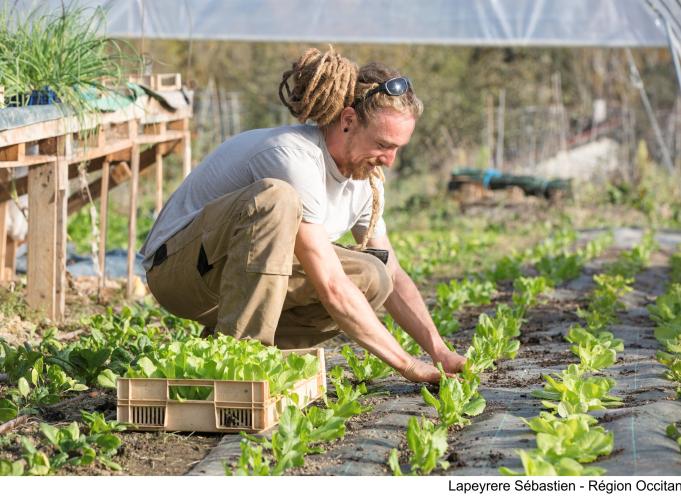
(234, 406)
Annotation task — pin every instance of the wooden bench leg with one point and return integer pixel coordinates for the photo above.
(11, 259)
(43, 200)
(132, 227)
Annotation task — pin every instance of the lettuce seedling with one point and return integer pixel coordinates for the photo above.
(427, 444)
(298, 434)
(252, 461)
(673, 364)
(527, 290)
(584, 337)
(12, 468)
(575, 437)
(596, 351)
(347, 403)
(573, 393)
(537, 464)
(456, 398)
(368, 368)
(560, 268)
(667, 307)
(674, 433)
(506, 269)
(493, 338)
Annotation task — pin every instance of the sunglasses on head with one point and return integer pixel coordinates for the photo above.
(393, 87)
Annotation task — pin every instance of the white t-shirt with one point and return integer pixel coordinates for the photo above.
(295, 154)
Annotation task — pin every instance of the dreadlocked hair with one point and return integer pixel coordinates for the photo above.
(322, 85)
(370, 76)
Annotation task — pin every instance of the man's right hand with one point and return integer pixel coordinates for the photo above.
(419, 371)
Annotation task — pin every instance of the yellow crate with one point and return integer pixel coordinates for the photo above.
(234, 406)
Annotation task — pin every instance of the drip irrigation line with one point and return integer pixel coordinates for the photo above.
(503, 420)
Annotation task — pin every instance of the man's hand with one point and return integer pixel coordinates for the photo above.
(419, 371)
(451, 361)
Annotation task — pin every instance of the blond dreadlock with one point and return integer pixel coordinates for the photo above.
(323, 84)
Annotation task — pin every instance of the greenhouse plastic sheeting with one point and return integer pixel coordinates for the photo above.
(453, 22)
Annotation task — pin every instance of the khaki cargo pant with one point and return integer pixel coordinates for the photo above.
(256, 287)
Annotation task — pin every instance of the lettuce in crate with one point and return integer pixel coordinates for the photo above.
(223, 358)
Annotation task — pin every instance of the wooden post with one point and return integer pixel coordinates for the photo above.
(489, 127)
(500, 130)
(4, 206)
(132, 227)
(187, 149)
(11, 259)
(159, 180)
(42, 237)
(64, 151)
(103, 219)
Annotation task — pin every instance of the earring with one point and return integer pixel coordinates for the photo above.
(345, 130)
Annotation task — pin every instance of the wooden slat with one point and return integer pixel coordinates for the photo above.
(42, 237)
(186, 146)
(4, 206)
(159, 180)
(103, 221)
(132, 226)
(58, 127)
(119, 174)
(28, 160)
(13, 153)
(167, 136)
(95, 152)
(64, 144)
(21, 184)
(146, 109)
(147, 160)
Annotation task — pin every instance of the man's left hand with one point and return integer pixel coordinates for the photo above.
(451, 361)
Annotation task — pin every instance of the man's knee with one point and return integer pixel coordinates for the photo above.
(275, 196)
(379, 283)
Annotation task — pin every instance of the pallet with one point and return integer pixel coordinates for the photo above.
(234, 406)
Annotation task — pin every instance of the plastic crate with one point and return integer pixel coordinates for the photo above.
(233, 406)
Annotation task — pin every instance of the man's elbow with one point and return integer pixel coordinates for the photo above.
(332, 293)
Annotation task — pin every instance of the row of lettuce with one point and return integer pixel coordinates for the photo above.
(494, 339)
(666, 313)
(567, 436)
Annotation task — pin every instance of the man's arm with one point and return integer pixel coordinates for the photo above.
(409, 310)
(348, 306)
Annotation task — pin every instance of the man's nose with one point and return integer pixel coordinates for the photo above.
(388, 158)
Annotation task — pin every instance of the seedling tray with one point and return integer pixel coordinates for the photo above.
(233, 406)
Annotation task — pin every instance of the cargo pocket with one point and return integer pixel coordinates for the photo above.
(178, 286)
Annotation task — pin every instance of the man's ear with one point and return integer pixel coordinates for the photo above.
(348, 117)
